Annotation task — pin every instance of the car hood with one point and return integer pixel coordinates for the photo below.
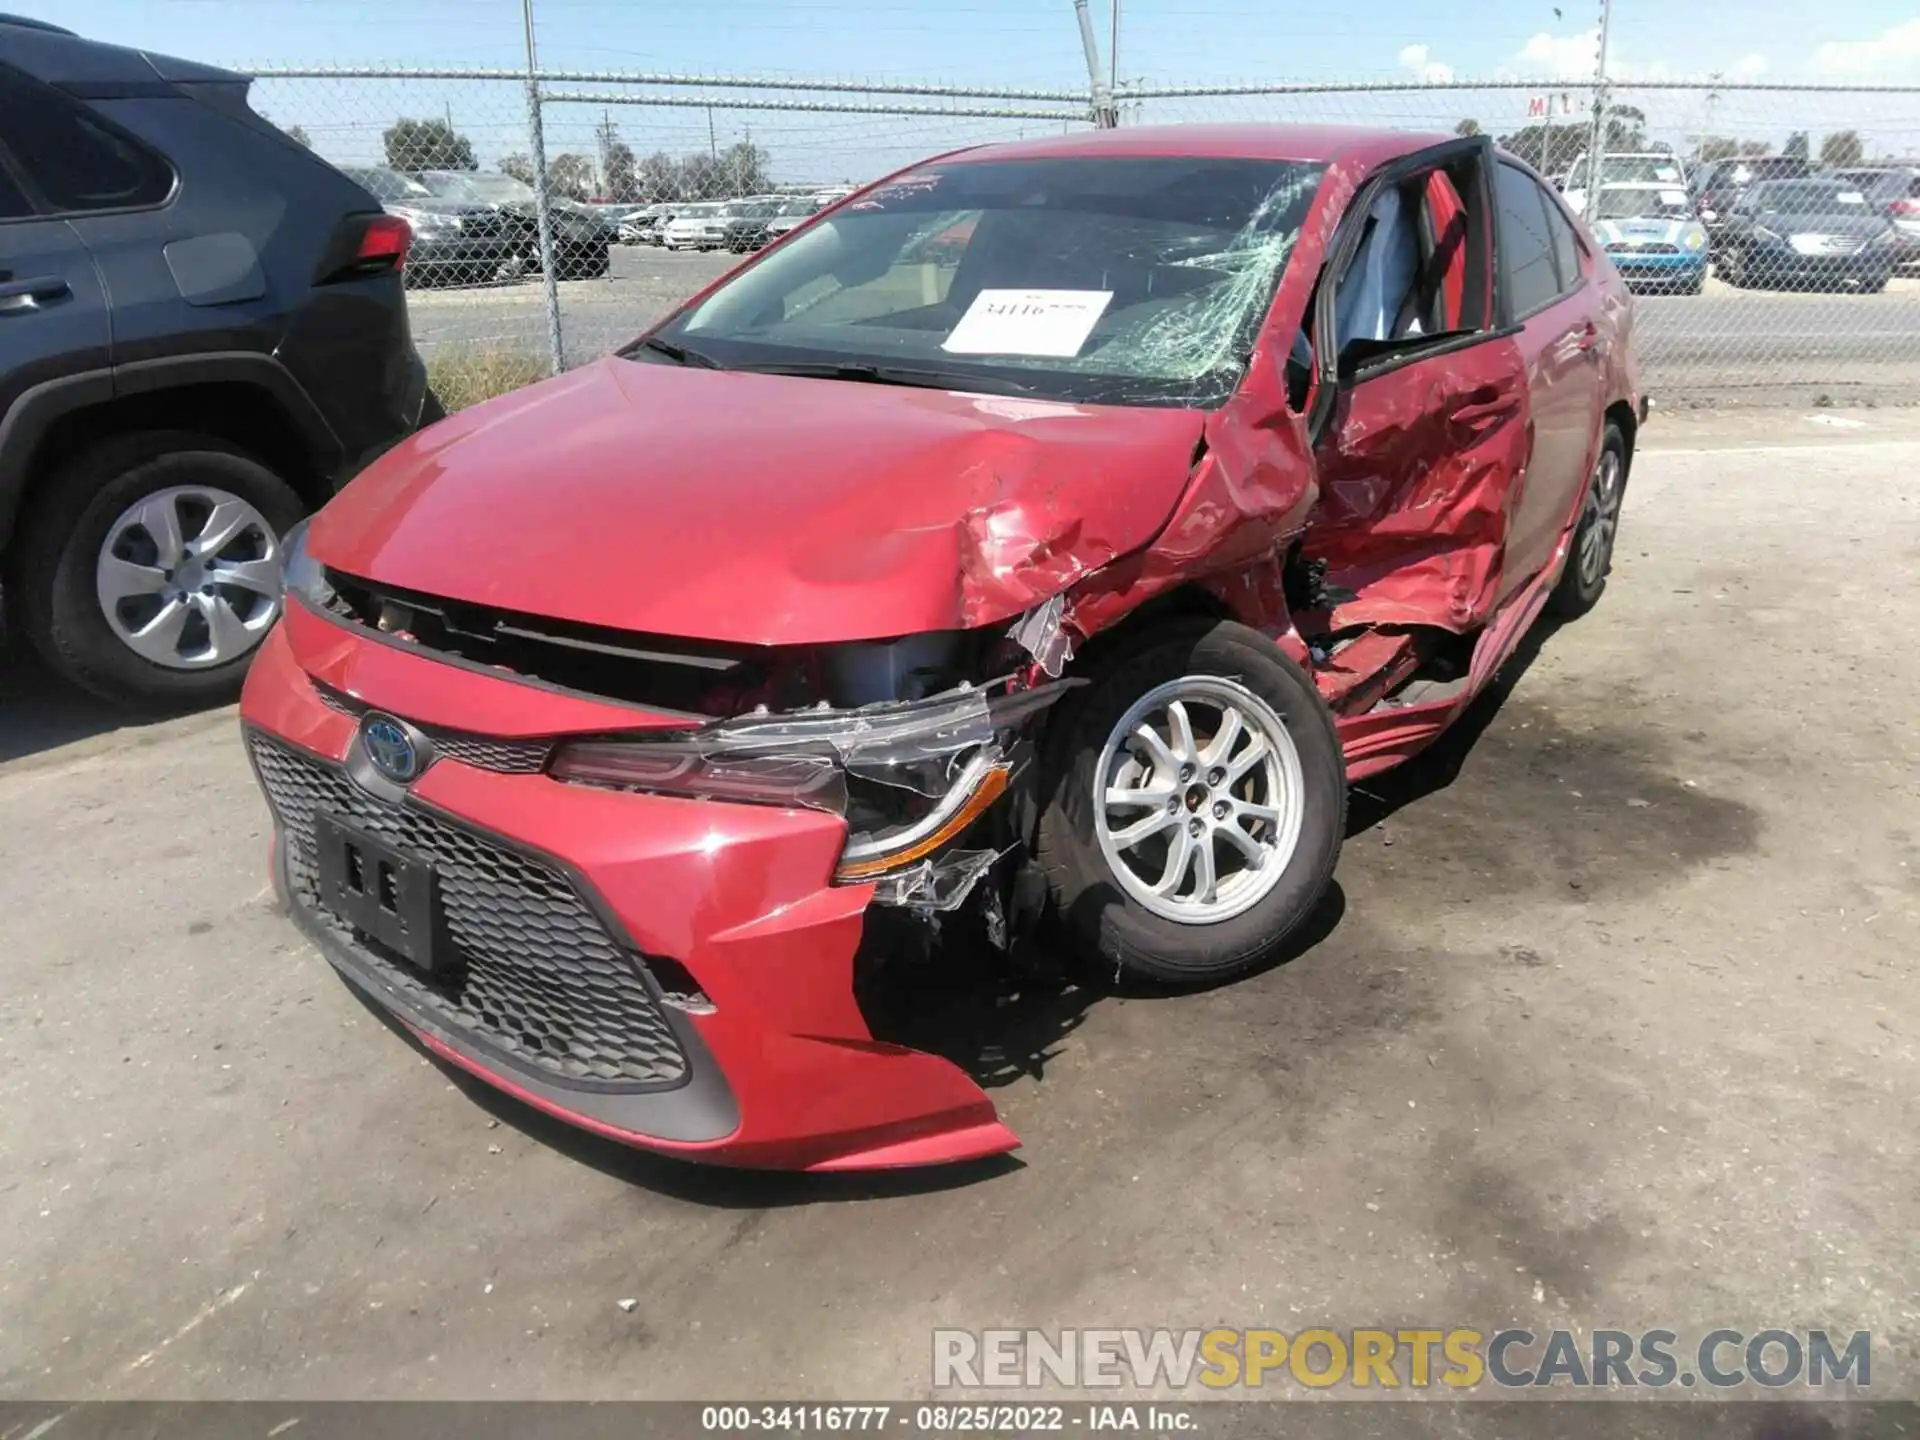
(759, 509)
(1852, 224)
(438, 206)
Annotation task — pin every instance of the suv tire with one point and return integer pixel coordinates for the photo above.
(60, 546)
(1102, 882)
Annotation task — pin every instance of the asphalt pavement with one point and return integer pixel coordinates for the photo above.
(1726, 347)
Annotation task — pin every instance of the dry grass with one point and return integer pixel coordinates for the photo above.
(462, 377)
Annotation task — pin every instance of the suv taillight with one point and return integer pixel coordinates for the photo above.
(1904, 207)
(365, 245)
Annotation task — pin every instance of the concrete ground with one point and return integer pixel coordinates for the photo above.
(1611, 1023)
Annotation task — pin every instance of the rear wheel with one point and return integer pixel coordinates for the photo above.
(1591, 557)
(1196, 805)
(150, 567)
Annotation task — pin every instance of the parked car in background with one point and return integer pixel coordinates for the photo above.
(1076, 577)
(792, 214)
(1623, 167)
(1896, 190)
(694, 227)
(745, 223)
(455, 242)
(647, 226)
(204, 335)
(1651, 234)
(583, 245)
(1721, 187)
(1817, 232)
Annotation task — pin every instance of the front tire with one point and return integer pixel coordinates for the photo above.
(150, 567)
(1195, 806)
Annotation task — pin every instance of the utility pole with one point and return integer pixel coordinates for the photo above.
(1103, 116)
(1596, 137)
(713, 145)
(542, 197)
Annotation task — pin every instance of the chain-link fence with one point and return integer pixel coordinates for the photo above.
(1774, 228)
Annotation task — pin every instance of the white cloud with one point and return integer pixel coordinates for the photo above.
(1565, 57)
(1895, 48)
(1420, 61)
(1748, 67)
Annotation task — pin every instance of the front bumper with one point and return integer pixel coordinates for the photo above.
(1657, 268)
(780, 1069)
(1789, 267)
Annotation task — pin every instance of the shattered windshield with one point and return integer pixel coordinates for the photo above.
(1121, 280)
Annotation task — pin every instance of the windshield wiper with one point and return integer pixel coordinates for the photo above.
(680, 354)
(890, 375)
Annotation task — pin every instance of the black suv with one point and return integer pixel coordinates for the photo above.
(202, 335)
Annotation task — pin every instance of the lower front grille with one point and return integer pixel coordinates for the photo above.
(540, 978)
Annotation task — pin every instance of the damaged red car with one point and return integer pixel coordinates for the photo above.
(1049, 532)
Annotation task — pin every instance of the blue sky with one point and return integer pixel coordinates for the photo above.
(1028, 43)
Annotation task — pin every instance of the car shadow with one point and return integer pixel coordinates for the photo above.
(39, 711)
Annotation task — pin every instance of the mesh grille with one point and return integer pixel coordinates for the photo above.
(484, 752)
(540, 979)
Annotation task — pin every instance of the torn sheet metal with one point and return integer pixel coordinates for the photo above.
(1043, 635)
(938, 884)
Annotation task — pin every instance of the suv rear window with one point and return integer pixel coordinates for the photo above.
(72, 158)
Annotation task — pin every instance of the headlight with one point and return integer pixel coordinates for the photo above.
(1693, 237)
(908, 777)
(1707, 214)
(300, 573)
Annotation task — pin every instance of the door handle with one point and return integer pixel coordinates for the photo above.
(21, 296)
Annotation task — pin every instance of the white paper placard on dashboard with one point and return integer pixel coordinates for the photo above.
(1028, 322)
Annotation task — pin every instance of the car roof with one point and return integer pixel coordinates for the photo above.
(1321, 143)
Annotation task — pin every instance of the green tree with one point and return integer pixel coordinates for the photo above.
(427, 145)
(1626, 127)
(1467, 127)
(519, 167)
(1796, 146)
(1842, 149)
(1550, 149)
(570, 176)
(617, 179)
(656, 179)
(298, 135)
(744, 167)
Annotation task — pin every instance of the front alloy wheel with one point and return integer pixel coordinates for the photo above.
(1194, 800)
(1199, 799)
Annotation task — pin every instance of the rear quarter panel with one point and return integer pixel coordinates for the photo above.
(347, 344)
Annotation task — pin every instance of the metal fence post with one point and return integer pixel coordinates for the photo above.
(543, 200)
(1103, 112)
(1597, 136)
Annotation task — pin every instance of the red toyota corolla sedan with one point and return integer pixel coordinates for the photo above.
(1049, 532)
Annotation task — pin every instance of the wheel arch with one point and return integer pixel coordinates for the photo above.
(246, 399)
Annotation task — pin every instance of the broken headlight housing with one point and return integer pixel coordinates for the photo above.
(908, 777)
